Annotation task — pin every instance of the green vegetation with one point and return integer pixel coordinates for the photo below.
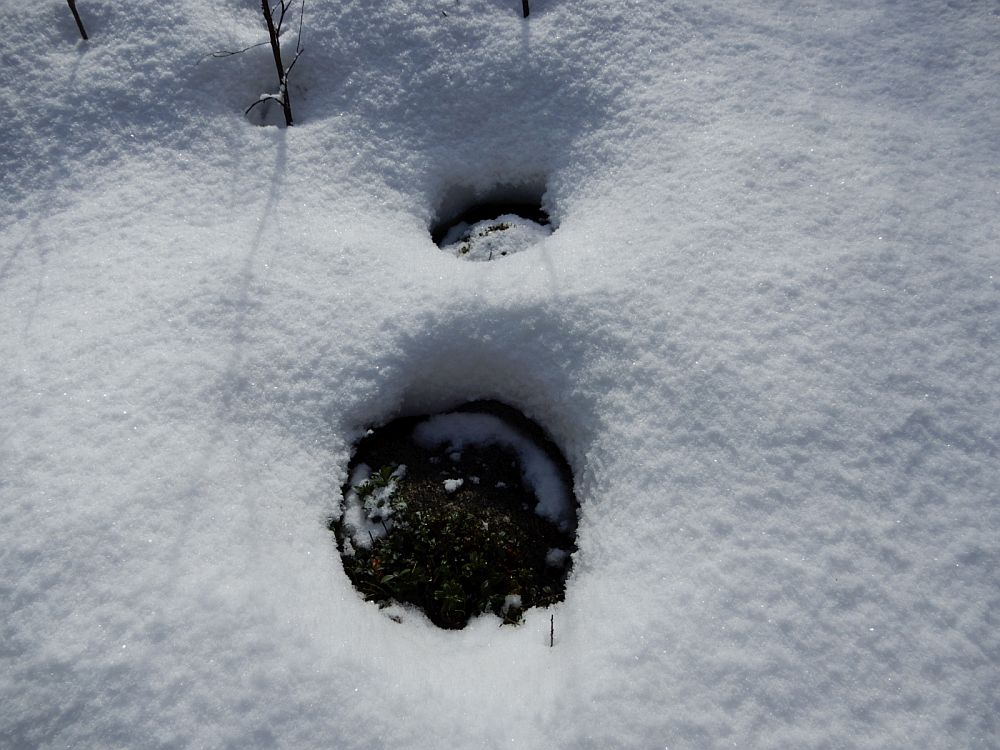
(451, 531)
(457, 554)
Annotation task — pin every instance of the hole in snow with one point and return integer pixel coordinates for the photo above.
(503, 222)
(458, 514)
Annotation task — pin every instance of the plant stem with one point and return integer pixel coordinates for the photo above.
(79, 21)
(272, 33)
(524, 7)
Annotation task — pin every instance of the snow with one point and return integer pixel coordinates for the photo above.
(511, 601)
(368, 515)
(493, 239)
(556, 557)
(457, 430)
(766, 334)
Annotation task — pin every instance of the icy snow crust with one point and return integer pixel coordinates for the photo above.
(766, 335)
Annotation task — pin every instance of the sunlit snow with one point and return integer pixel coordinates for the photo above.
(766, 336)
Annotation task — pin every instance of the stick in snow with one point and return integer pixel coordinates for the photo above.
(79, 21)
(286, 105)
(273, 32)
(524, 7)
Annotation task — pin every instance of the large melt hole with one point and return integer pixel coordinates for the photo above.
(501, 224)
(458, 514)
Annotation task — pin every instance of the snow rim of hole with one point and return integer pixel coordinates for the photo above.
(459, 429)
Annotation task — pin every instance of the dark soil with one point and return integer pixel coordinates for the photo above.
(458, 554)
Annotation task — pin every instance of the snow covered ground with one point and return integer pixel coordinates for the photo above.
(765, 332)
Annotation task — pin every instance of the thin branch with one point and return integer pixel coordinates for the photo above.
(263, 98)
(298, 41)
(281, 18)
(525, 8)
(230, 53)
(79, 21)
(292, 65)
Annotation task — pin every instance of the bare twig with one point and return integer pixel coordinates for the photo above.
(263, 98)
(79, 21)
(525, 8)
(272, 33)
(230, 53)
(281, 18)
(273, 30)
(298, 41)
(273, 38)
(552, 618)
(292, 63)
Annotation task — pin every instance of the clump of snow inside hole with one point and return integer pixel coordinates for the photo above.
(458, 515)
(504, 222)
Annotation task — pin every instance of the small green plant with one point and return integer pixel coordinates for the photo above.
(378, 480)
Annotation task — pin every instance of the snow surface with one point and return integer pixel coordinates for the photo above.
(766, 335)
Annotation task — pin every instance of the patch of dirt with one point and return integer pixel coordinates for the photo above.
(463, 537)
